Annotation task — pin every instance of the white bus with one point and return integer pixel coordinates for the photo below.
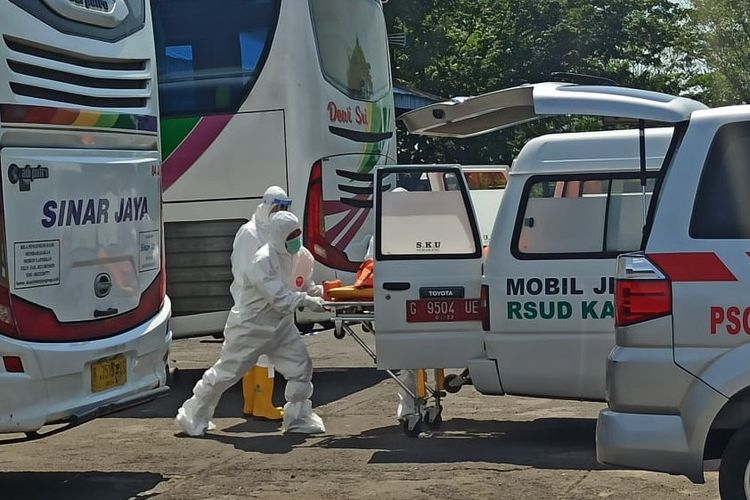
(295, 93)
(83, 311)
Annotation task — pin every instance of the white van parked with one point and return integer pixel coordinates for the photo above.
(678, 382)
(540, 322)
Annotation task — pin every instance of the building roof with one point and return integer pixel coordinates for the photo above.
(406, 98)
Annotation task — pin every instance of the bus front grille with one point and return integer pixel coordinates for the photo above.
(199, 269)
(62, 77)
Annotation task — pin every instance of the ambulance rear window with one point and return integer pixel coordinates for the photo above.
(426, 215)
(581, 217)
(723, 199)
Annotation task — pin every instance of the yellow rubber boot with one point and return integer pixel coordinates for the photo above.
(263, 404)
(248, 391)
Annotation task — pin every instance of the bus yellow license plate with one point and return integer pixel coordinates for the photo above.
(109, 372)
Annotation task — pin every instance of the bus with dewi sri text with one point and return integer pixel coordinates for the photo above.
(84, 319)
(253, 93)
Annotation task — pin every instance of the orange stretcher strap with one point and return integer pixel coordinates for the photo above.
(345, 293)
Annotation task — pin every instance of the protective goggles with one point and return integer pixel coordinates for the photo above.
(283, 203)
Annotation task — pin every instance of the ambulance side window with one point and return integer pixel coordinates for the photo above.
(625, 214)
(722, 203)
(432, 222)
(576, 217)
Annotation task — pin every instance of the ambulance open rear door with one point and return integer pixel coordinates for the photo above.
(428, 269)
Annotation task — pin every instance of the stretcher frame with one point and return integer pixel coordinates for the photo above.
(427, 399)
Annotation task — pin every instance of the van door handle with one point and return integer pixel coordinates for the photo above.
(100, 313)
(397, 285)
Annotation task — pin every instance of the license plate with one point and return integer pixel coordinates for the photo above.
(439, 310)
(109, 372)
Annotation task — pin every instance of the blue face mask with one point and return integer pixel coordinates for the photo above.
(293, 246)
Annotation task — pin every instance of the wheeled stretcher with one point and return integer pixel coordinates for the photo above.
(353, 307)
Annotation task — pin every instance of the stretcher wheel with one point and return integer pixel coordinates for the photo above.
(412, 425)
(453, 383)
(338, 331)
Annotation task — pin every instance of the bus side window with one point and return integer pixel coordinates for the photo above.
(208, 58)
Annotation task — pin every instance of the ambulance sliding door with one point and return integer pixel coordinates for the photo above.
(428, 269)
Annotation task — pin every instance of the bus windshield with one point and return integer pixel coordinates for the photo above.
(208, 58)
(352, 47)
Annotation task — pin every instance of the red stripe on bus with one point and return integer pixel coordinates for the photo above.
(692, 266)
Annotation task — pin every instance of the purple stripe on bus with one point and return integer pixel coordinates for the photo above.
(191, 149)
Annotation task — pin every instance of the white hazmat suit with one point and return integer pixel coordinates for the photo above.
(265, 309)
(258, 382)
(251, 236)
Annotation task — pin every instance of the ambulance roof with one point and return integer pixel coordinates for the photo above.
(581, 152)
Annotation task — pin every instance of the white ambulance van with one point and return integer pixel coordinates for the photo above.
(538, 319)
(678, 381)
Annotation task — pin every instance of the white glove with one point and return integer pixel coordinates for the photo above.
(314, 304)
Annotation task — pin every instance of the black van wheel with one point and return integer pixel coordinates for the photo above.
(734, 472)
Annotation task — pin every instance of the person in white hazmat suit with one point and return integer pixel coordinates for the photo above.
(257, 384)
(267, 301)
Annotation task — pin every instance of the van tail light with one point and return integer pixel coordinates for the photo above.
(314, 235)
(642, 291)
(484, 307)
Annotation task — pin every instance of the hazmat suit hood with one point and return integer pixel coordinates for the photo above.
(262, 216)
(282, 224)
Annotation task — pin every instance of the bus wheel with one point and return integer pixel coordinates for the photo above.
(734, 472)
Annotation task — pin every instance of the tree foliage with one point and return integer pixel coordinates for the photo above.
(467, 47)
(723, 28)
